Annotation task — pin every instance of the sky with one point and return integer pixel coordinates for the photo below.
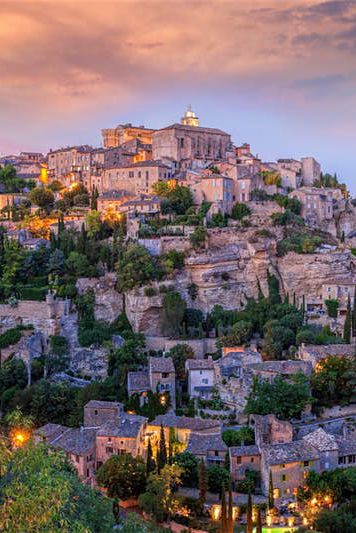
(278, 74)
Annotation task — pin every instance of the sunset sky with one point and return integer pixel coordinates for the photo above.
(278, 74)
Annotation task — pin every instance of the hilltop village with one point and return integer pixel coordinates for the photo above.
(178, 317)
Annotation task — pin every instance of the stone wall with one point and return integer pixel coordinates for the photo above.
(201, 347)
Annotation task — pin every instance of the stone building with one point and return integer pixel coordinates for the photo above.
(290, 171)
(98, 412)
(213, 188)
(269, 370)
(119, 437)
(314, 353)
(209, 448)
(123, 133)
(189, 118)
(180, 142)
(77, 443)
(311, 170)
(317, 204)
(201, 377)
(135, 178)
(342, 290)
(159, 377)
(243, 458)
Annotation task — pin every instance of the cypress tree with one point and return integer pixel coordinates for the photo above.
(294, 300)
(203, 481)
(273, 289)
(270, 492)
(303, 306)
(354, 315)
(347, 323)
(230, 522)
(162, 450)
(259, 521)
(223, 511)
(249, 524)
(150, 463)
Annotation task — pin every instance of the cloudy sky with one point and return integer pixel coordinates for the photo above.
(279, 74)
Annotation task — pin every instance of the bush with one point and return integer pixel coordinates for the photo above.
(150, 291)
(238, 437)
(197, 238)
(239, 211)
(10, 337)
(332, 307)
(217, 476)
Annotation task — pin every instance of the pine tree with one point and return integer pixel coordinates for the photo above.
(259, 521)
(227, 461)
(230, 521)
(249, 524)
(162, 450)
(294, 300)
(270, 492)
(203, 481)
(223, 511)
(354, 315)
(150, 463)
(342, 238)
(303, 306)
(347, 323)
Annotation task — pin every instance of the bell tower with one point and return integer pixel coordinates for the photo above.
(189, 118)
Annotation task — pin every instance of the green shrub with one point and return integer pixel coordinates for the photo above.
(150, 291)
(10, 337)
(239, 211)
(332, 307)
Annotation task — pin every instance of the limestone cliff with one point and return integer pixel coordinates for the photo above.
(108, 302)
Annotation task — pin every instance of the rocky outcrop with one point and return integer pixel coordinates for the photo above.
(108, 302)
(143, 312)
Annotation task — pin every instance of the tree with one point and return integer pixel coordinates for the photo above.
(240, 333)
(134, 268)
(162, 450)
(217, 476)
(202, 481)
(42, 197)
(354, 315)
(78, 264)
(56, 262)
(189, 465)
(159, 500)
(332, 307)
(230, 521)
(285, 399)
(14, 255)
(250, 482)
(150, 463)
(180, 353)
(340, 519)
(249, 523)
(177, 199)
(240, 211)
(172, 313)
(348, 322)
(197, 238)
(273, 289)
(270, 491)
(238, 437)
(135, 524)
(49, 495)
(333, 382)
(93, 223)
(259, 521)
(223, 510)
(123, 476)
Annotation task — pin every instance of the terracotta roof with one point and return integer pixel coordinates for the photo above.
(199, 364)
(201, 444)
(252, 449)
(161, 364)
(290, 452)
(137, 381)
(185, 422)
(127, 427)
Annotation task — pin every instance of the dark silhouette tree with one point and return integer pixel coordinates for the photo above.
(162, 450)
(223, 511)
(150, 463)
(270, 492)
(230, 521)
(203, 481)
(347, 323)
(249, 523)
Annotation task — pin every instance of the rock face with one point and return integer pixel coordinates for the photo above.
(347, 222)
(143, 312)
(108, 302)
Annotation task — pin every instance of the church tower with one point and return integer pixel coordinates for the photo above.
(189, 118)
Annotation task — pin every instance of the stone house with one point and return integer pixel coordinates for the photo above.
(201, 377)
(144, 205)
(290, 171)
(213, 188)
(125, 435)
(135, 178)
(270, 430)
(341, 290)
(317, 204)
(98, 412)
(159, 377)
(269, 370)
(124, 133)
(182, 427)
(112, 201)
(77, 443)
(315, 353)
(311, 170)
(243, 458)
(210, 448)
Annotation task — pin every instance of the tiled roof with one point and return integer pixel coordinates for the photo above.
(199, 364)
(347, 445)
(137, 381)
(78, 441)
(161, 364)
(101, 404)
(200, 444)
(149, 163)
(185, 422)
(50, 431)
(252, 449)
(330, 349)
(321, 440)
(127, 427)
(290, 452)
(282, 367)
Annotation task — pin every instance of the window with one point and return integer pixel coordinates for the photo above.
(205, 381)
(252, 460)
(95, 412)
(306, 463)
(77, 458)
(238, 460)
(87, 472)
(283, 477)
(109, 449)
(276, 493)
(182, 142)
(165, 374)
